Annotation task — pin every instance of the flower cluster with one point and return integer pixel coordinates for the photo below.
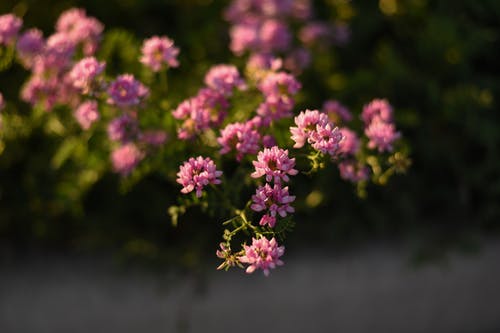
(196, 173)
(262, 254)
(315, 128)
(265, 28)
(159, 52)
(379, 125)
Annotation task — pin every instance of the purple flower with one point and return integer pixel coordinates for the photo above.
(326, 138)
(38, 91)
(224, 78)
(126, 91)
(240, 137)
(382, 135)
(29, 45)
(275, 107)
(123, 129)
(9, 28)
(158, 52)
(126, 158)
(274, 35)
(85, 72)
(319, 33)
(275, 164)
(272, 200)
(262, 254)
(269, 220)
(353, 171)
(197, 173)
(297, 60)
(87, 114)
(336, 111)
(57, 54)
(378, 108)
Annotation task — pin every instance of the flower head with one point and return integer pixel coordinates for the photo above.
(275, 164)
(382, 135)
(240, 137)
(262, 254)
(126, 158)
(85, 72)
(353, 171)
(126, 91)
(224, 78)
(336, 111)
(378, 108)
(87, 114)
(123, 129)
(29, 45)
(349, 145)
(9, 28)
(196, 173)
(158, 52)
(273, 201)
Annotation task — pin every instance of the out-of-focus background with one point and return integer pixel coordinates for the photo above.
(420, 254)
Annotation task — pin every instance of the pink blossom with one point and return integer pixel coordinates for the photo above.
(206, 110)
(275, 107)
(273, 200)
(268, 141)
(336, 111)
(382, 135)
(80, 29)
(123, 129)
(262, 254)
(87, 114)
(126, 158)
(240, 137)
(38, 91)
(306, 123)
(274, 35)
(29, 45)
(224, 78)
(243, 37)
(126, 91)
(9, 28)
(85, 72)
(353, 171)
(275, 164)
(269, 220)
(297, 60)
(158, 52)
(377, 108)
(280, 83)
(197, 173)
(57, 55)
(326, 138)
(349, 145)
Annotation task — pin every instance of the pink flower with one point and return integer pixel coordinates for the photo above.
(272, 200)
(269, 220)
(262, 254)
(87, 114)
(9, 28)
(85, 72)
(243, 37)
(326, 138)
(224, 78)
(349, 145)
(378, 108)
(158, 52)
(297, 60)
(336, 111)
(280, 83)
(29, 45)
(80, 29)
(126, 91)
(240, 137)
(353, 171)
(382, 135)
(205, 110)
(38, 91)
(126, 158)
(274, 35)
(57, 54)
(268, 141)
(306, 123)
(275, 164)
(123, 129)
(275, 107)
(197, 173)
(316, 33)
